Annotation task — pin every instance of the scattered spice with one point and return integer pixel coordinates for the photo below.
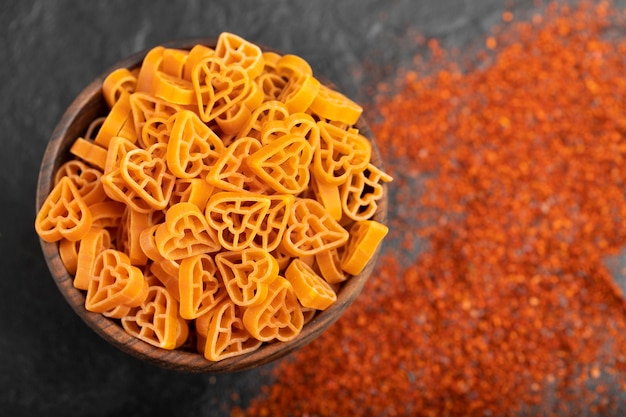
(504, 305)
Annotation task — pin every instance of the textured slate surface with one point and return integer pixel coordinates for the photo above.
(50, 362)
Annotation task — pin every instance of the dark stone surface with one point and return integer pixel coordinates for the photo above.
(50, 362)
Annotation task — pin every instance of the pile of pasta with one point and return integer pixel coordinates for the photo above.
(226, 195)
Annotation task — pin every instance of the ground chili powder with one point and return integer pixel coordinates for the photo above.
(504, 305)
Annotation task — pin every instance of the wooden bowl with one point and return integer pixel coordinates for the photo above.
(87, 106)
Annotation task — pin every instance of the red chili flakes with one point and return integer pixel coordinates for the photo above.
(504, 304)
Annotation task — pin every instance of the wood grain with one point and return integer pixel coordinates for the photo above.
(90, 104)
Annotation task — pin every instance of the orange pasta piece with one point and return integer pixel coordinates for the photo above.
(119, 122)
(269, 234)
(185, 233)
(341, 152)
(114, 282)
(68, 251)
(200, 286)
(145, 173)
(96, 241)
(301, 124)
(283, 164)
(237, 218)
(144, 106)
(329, 265)
(235, 50)
(278, 317)
(167, 278)
(266, 112)
(63, 214)
(233, 119)
(114, 183)
(271, 85)
(299, 92)
(107, 214)
(132, 224)
(231, 172)
(365, 237)
(155, 321)
(193, 148)
(156, 129)
(328, 195)
(147, 243)
(116, 83)
(311, 229)
(89, 152)
(196, 54)
(218, 87)
(332, 105)
(247, 274)
(310, 288)
(362, 191)
(85, 178)
(173, 89)
(226, 335)
(174, 61)
(289, 65)
(195, 190)
(150, 65)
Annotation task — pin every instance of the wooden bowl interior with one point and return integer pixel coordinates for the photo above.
(87, 106)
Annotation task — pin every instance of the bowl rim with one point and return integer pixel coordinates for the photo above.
(89, 102)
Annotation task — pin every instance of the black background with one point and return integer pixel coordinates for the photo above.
(50, 362)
